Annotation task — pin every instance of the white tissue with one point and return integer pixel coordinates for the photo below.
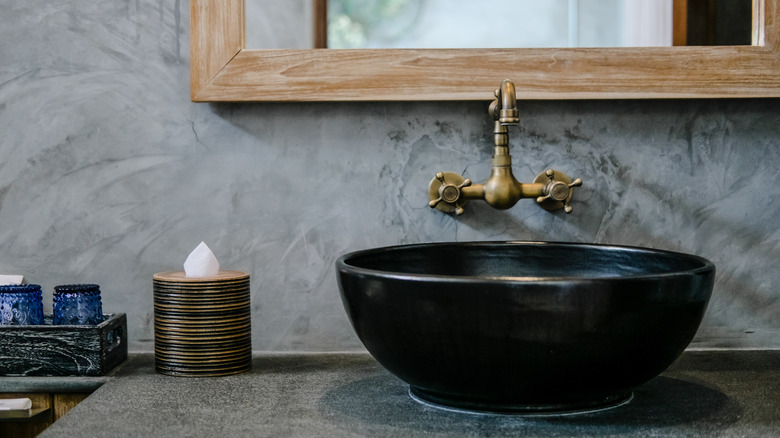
(201, 262)
(13, 404)
(11, 279)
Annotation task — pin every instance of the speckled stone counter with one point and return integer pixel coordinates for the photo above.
(706, 393)
(78, 384)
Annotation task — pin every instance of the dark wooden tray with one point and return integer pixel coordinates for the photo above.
(63, 350)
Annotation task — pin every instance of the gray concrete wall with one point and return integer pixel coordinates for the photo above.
(108, 174)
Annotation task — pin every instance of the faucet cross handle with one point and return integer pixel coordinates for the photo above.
(444, 192)
(557, 190)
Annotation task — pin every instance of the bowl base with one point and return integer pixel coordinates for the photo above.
(464, 405)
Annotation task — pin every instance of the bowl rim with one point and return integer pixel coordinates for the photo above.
(343, 266)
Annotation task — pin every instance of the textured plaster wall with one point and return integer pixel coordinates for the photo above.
(108, 174)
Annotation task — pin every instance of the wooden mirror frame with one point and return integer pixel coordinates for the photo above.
(223, 69)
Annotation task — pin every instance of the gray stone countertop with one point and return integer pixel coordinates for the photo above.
(80, 384)
(705, 393)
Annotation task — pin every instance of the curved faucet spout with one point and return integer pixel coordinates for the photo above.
(507, 114)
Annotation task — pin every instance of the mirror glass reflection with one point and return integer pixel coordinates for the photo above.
(498, 23)
(274, 24)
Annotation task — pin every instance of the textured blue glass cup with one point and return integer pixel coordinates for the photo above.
(77, 304)
(21, 304)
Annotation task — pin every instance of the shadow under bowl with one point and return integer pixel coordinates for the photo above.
(524, 327)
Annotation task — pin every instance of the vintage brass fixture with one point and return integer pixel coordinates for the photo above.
(552, 189)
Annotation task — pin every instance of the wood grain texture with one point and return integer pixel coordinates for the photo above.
(217, 33)
(57, 404)
(65, 402)
(50, 350)
(454, 74)
(25, 429)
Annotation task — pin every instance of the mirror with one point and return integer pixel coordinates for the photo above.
(223, 69)
(455, 24)
(442, 24)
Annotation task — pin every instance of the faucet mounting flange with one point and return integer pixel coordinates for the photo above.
(446, 187)
(557, 191)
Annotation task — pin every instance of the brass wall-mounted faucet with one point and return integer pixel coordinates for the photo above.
(552, 189)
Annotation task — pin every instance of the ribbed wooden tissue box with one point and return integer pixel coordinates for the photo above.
(202, 326)
(63, 350)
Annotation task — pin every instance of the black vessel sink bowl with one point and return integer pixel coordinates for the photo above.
(524, 327)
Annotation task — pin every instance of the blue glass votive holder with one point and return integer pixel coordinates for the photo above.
(77, 304)
(21, 304)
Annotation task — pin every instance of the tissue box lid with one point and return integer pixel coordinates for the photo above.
(181, 277)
